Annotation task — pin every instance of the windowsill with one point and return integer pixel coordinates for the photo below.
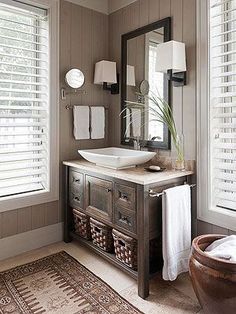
(220, 217)
(27, 200)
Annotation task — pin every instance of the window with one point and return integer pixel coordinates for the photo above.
(217, 112)
(222, 51)
(26, 104)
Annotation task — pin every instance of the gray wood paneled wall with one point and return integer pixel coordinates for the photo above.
(83, 41)
(86, 37)
(143, 12)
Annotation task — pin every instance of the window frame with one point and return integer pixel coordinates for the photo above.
(218, 216)
(38, 197)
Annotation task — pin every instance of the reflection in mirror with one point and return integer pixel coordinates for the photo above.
(141, 60)
(74, 78)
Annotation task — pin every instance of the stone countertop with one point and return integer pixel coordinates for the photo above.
(136, 175)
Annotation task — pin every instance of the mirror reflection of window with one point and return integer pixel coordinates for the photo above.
(153, 129)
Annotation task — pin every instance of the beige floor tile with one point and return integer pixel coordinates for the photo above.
(183, 284)
(163, 298)
(167, 298)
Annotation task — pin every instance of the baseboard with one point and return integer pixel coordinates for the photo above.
(30, 240)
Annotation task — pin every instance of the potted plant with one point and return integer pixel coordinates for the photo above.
(161, 111)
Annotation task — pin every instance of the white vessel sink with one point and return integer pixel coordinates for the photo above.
(116, 158)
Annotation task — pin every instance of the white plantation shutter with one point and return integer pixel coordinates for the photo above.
(222, 63)
(24, 101)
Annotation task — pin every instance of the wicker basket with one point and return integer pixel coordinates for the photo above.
(101, 235)
(81, 224)
(125, 249)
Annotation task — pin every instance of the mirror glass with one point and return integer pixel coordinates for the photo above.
(74, 78)
(142, 79)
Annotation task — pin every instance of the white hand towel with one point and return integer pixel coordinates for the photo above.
(224, 248)
(81, 122)
(176, 231)
(97, 122)
(136, 122)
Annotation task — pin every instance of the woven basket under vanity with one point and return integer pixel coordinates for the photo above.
(101, 235)
(125, 249)
(81, 224)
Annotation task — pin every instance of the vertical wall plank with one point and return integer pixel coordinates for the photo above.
(203, 227)
(219, 230)
(9, 223)
(154, 10)
(189, 91)
(24, 220)
(38, 216)
(165, 8)
(177, 92)
(143, 12)
(51, 213)
(0, 225)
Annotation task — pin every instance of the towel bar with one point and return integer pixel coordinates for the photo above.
(156, 194)
(68, 107)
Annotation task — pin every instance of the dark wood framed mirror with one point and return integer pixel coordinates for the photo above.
(138, 77)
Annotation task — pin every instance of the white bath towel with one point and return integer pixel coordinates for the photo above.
(81, 122)
(97, 122)
(176, 231)
(224, 248)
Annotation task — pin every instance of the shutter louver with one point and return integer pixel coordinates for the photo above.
(222, 61)
(24, 100)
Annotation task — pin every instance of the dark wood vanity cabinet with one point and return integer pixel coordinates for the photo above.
(122, 203)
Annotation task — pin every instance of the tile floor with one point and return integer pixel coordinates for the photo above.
(166, 298)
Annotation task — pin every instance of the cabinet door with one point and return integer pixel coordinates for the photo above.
(99, 197)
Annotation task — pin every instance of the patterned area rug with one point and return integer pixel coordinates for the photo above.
(58, 284)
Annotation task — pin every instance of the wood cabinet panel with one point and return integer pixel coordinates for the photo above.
(99, 197)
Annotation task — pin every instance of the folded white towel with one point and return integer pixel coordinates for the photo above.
(176, 231)
(81, 122)
(97, 122)
(224, 248)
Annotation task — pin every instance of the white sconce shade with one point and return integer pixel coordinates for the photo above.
(130, 80)
(171, 56)
(105, 72)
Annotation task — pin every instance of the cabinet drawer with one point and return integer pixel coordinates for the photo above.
(125, 218)
(75, 180)
(99, 197)
(76, 199)
(76, 193)
(125, 196)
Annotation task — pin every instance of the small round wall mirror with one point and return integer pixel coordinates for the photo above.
(144, 87)
(74, 78)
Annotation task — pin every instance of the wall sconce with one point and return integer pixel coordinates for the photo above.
(105, 73)
(171, 59)
(130, 78)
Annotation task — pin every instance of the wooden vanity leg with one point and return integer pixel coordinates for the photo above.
(67, 212)
(143, 240)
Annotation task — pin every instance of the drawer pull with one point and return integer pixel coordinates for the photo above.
(77, 199)
(109, 190)
(125, 220)
(76, 180)
(124, 196)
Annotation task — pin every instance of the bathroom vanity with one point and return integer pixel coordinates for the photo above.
(126, 200)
